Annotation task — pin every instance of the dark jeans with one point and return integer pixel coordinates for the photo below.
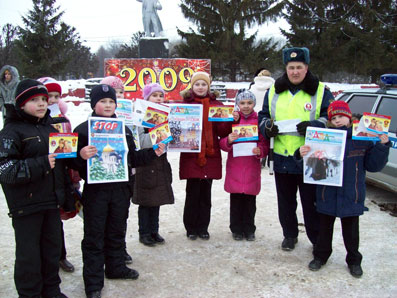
(148, 220)
(350, 232)
(37, 253)
(104, 233)
(287, 186)
(63, 246)
(197, 211)
(242, 213)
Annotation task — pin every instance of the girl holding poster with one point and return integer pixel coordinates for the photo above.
(153, 181)
(243, 173)
(199, 169)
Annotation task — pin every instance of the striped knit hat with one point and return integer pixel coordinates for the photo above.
(28, 89)
(339, 107)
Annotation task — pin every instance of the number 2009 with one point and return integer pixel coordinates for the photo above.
(130, 74)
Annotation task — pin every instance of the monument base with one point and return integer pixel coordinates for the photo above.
(153, 47)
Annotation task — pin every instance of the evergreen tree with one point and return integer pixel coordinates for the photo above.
(97, 171)
(221, 34)
(7, 45)
(349, 36)
(46, 45)
(131, 50)
(120, 172)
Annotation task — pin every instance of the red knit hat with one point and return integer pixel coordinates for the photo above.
(51, 84)
(339, 107)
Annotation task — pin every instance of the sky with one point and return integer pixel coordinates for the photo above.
(100, 22)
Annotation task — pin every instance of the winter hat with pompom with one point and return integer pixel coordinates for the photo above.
(114, 82)
(51, 84)
(151, 88)
(28, 89)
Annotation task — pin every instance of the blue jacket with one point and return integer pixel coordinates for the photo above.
(348, 200)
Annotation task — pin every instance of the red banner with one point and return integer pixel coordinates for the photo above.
(172, 74)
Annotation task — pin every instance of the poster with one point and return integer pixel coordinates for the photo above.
(220, 113)
(172, 74)
(124, 110)
(63, 144)
(160, 134)
(246, 132)
(324, 163)
(145, 110)
(185, 122)
(110, 162)
(370, 126)
(154, 117)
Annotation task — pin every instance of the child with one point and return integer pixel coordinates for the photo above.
(152, 182)
(116, 83)
(346, 202)
(118, 86)
(243, 173)
(105, 205)
(35, 185)
(200, 169)
(54, 100)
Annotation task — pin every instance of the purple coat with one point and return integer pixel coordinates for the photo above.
(188, 167)
(243, 173)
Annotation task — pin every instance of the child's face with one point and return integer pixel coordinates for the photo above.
(7, 76)
(105, 107)
(157, 97)
(339, 121)
(36, 107)
(119, 93)
(200, 87)
(246, 106)
(53, 98)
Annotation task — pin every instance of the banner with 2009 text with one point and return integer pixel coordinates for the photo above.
(172, 74)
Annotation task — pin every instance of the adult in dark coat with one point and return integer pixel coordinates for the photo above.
(199, 169)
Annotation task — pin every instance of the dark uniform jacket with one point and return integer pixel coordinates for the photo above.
(29, 183)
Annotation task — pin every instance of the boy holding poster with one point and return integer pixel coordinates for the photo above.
(105, 204)
(153, 181)
(243, 173)
(346, 202)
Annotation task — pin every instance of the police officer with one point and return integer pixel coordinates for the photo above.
(297, 94)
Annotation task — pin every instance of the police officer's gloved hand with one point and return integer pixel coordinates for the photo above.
(302, 126)
(271, 130)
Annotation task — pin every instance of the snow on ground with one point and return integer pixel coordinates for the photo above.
(222, 267)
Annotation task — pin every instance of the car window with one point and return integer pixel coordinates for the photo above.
(388, 106)
(360, 103)
(343, 96)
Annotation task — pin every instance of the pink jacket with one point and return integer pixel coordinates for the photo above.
(243, 173)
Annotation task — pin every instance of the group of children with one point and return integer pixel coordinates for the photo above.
(36, 185)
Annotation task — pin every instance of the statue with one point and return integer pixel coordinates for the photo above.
(150, 18)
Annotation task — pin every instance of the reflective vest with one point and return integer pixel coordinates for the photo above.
(285, 106)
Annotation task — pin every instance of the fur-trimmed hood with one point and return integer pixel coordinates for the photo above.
(7, 89)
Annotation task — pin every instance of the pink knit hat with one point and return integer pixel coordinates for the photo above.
(114, 82)
(150, 88)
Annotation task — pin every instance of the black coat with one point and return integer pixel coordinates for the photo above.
(29, 183)
(135, 158)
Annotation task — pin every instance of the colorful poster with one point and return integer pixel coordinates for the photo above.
(221, 113)
(110, 163)
(246, 132)
(324, 163)
(160, 134)
(154, 117)
(370, 126)
(172, 74)
(124, 111)
(185, 122)
(63, 144)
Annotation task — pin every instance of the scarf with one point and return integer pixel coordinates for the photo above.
(207, 141)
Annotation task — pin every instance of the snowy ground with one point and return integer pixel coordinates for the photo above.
(222, 267)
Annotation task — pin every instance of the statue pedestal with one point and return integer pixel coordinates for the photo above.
(153, 47)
